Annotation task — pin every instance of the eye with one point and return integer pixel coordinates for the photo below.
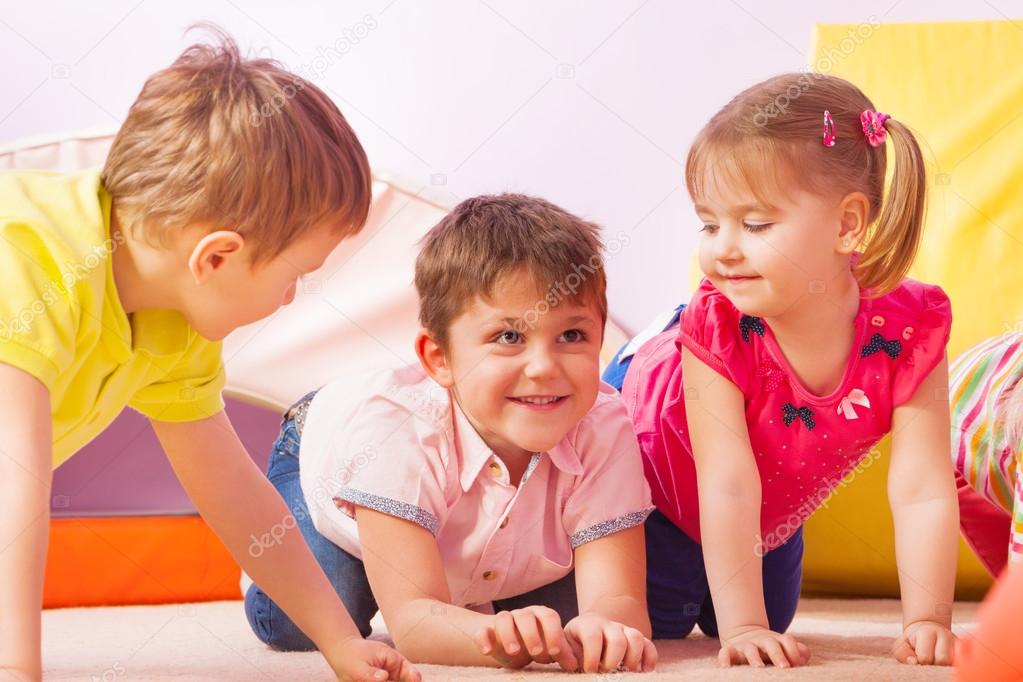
(508, 337)
(709, 229)
(757, 227)
(574, 336)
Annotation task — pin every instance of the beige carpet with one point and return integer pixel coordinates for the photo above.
(212, 641)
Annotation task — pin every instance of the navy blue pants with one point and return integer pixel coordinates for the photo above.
(678, 595)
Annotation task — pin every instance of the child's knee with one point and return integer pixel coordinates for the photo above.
(271, 625)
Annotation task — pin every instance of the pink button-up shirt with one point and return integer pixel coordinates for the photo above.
(803, 444)
(398, 443)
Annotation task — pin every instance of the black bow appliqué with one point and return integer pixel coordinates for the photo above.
(805, 414)
(747, 322)
(878, 344)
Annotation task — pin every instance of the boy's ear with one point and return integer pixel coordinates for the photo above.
(854, 210)
(212, 251)
(433, 359)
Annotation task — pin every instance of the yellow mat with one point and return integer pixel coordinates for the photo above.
(960, 87)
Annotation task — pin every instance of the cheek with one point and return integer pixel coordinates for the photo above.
(705, 256)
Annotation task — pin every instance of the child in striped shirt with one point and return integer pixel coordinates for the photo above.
(987, 434)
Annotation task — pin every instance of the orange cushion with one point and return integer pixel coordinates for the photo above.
(95, 561)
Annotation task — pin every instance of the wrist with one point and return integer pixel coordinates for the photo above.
(740, 630)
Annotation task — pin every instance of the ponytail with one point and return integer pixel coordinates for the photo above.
(894, 240)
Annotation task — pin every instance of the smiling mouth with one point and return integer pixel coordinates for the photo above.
(538, 400)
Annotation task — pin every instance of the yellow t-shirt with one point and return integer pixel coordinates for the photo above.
(61, 319)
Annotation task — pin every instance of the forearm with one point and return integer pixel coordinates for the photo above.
(730, 525)
(431, 631)
(24, 531)
(926, 547)
(26, 472)
(287, 571)
(625, 609)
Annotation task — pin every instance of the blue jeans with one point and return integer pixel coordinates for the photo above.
(345, 572)
(678, 595)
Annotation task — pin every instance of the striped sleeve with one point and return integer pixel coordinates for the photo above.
(980, 381)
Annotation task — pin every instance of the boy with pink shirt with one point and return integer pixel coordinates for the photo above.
(457, 495)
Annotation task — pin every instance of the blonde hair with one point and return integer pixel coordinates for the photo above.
(486, 238)
(240, 144)
(780, 121)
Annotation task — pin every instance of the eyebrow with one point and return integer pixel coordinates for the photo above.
(743, 208)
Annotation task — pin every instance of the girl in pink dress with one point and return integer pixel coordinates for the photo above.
(804, 345)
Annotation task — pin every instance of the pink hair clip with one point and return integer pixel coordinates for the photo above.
(873, 127)
(829, 130)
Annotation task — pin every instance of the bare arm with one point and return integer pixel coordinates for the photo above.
(404, 568)
(925, 509)
(26, 470)
(730, 494)
(610, 578)
(237, 501)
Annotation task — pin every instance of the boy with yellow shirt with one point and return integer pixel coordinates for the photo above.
(229, 180)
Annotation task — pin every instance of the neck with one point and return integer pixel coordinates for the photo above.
(140, 274)
(835, 309)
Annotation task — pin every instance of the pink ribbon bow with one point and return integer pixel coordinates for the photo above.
(855, 397)
(873, 127)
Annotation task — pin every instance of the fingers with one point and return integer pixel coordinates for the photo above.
(557, 644)
(751, 652)
(633, 660)
(727, 656)
(484, 639)
(944, 650)
(590, 640)
(616, 645)
(390, 665)
(796, 652)
(924, 645)
(903, 651)
(774, 651)
(528, 631)
(649, 656)
(507, 638)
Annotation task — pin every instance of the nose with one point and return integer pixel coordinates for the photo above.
(727, 244)
(540, 363)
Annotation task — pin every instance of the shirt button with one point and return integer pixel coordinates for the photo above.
(877, 321)
(907, 333)
(504, 524)
(489, 575)
(495, 469)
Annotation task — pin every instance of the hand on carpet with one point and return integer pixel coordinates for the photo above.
(517, 638)
(608, 646)
(925, 643)
(761, 646)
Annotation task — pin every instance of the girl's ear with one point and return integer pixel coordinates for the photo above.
(854, 210)
(433, 359)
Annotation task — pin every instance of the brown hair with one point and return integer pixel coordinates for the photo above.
(238, 143)
(486, 238)
(781, 120)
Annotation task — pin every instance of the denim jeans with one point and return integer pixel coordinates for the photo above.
(345, 572)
